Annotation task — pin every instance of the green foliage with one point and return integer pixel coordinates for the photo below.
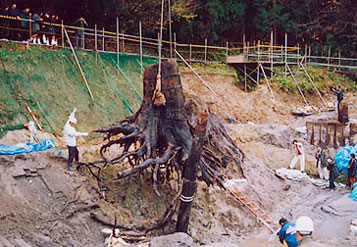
(322, 78)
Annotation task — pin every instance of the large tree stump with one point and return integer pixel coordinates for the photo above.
(180, 135)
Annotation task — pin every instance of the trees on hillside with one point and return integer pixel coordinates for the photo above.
(318, 22)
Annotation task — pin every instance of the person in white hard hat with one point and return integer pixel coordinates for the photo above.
(71, 134)
(304, 227)
(299, 155)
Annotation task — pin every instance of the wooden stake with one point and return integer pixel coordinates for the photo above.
(79, 65)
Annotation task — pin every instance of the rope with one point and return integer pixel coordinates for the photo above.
(158, 96)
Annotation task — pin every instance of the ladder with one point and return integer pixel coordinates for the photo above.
(253, 207)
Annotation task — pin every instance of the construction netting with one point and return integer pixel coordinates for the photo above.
(50, 82)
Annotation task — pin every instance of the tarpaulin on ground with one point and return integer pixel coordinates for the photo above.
(342, 157)
(354, 192)
(26, 147)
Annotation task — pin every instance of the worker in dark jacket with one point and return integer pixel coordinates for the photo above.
(339, 93)
(287, 233)
(333, 172)
(351, 168)
(14, 22)
(25, 16)
(4, 22)
(81, 24)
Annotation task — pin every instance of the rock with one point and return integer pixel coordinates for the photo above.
(5, 243)
(19, 242)
(178, 239)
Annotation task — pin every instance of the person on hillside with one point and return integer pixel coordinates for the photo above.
(81, 23)
(36, 29)
(25, 16)
(321, 163)
(70, 137)
(339, 93)
(304, 229)
(14, 22)
(351, 168)
(333, 172)
(299, 155)
(287, 233)
(4, 23)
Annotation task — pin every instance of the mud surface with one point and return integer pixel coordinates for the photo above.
(41, 204)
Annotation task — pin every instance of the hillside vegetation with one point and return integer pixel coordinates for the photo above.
(49, 81)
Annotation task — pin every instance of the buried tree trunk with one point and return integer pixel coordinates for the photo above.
(176, 135)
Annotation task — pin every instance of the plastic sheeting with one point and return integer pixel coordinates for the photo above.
(354, 192)
(26, 147)
(342, 157)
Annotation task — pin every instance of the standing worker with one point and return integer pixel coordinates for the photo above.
(304, 228)
(321, 163)
(81, 24)
(70, 136)
(351, 168)
(339, 93)
(299, 155)
(287, 233)
(332, 167)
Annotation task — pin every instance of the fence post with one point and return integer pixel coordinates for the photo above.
(328, 57)
(170, 28)
(205, 50)
(141, 44)
(118, 45)
(244, 46)
(190, 53)
(286, 54)
(258, 62)
(245, 77)
(227, 50)
(297, 55)
(175, 44)
(309, 54)
(271, 53)
(62, 33)
(123, 41)
(339, 57)
(95, 38)
(305, 55)
(30, 26)
(103, 42)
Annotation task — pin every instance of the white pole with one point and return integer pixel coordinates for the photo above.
(205, 50)
(170, 28)
(118, 45)
(286, 54)
(79, 65)
(141, 44)
(175, 46)
(190, 54)
(103, 42)
(271, 53)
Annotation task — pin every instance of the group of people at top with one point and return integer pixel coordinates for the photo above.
(45, 27)
(325, 164)
(15, 25)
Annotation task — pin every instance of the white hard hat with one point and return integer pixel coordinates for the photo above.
(304, 225)
(73, 120)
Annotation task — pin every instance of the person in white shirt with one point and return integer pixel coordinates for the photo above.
(71, 134)
(299, 155)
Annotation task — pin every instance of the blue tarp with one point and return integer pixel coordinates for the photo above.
(354, 192)
(27, 147)
(342, 157)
